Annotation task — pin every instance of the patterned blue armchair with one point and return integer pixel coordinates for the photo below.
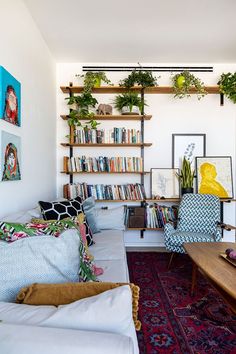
(199, 215)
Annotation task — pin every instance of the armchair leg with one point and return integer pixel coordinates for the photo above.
(171, 259)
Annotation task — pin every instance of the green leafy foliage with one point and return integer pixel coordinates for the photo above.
(94, 79)
(128, 99)
(83, 104)
(184, 81)
(140, 78)
(186, 174)
(227, 84)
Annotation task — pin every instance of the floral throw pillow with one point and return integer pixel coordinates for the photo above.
(11, 232)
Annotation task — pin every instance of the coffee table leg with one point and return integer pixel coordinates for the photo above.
(194, 278)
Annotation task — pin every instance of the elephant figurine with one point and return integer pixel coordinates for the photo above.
(104, 109)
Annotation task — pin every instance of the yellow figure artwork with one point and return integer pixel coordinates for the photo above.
(209, 184)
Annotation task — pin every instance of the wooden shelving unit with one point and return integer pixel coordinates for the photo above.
(105, 172)
(145, 229)
(148, 90)
(107, 145)
(71, 90)
(123, 117)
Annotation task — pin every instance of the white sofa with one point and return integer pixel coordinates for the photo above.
(109, 253)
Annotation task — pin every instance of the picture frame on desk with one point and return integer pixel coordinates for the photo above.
(165, 183)
(189, 146)
(214, 176)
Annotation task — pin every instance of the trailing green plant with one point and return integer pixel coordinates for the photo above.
(128, 99)
(182, 83)
(83, 103)
(140, 78)
(186, 174)
(227, 85)
(94, 79)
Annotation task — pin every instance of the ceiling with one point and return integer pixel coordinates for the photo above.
(131, 31)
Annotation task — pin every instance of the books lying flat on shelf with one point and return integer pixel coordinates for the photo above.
(105, 164)
(158, 215)
(104, 136)
(105, 192)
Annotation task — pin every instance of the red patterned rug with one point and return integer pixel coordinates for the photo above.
(173, 321)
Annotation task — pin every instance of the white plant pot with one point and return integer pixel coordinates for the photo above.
(126, 110)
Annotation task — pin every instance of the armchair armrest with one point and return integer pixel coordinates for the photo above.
(226, 227)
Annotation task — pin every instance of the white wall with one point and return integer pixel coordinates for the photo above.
(25, 55)
(169, 116)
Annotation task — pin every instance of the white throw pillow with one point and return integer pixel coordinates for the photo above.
(38, 259)
(110, 311)
(108, 219)
(20, 339)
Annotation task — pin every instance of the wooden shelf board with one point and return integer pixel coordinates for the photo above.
(149, 90)
(163, 200)
(108, 144)
(145, 228)
(118, 200)
(75, 173)
(123, 117)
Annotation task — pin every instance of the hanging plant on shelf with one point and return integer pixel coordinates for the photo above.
(227, 85)
(183, 82)
(82, 104)
(129, 103)
(141, 78)
(94, 79)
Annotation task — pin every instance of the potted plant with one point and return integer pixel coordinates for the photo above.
(186, 177)
(94, 79)
(82, 104)
(227, 85)
(140, 78)
(183, 82)
(128, 103)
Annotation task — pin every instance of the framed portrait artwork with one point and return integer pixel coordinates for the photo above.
(214, 175)
(164, 183)
(188, 145)
(10, 157)
(10, 98)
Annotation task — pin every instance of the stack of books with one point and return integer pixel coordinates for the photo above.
(105, 164)
(105, 192)
(158, 215)
(105, 136)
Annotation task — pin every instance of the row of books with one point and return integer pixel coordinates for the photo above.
(105, 192)
(104, 136)
(158, 215)
(105, 164)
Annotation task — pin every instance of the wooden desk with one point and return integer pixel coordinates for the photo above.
(205, 255)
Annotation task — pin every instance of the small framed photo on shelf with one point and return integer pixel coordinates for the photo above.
(164, 183)
(188, 145)
(214, 175)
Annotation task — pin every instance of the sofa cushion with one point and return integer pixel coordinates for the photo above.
(90, 212)
(38, 259)
(24, 216)
(110, 311)
(19, 339)
(108, 219)
(108, 245)
(62, 294)
(63, 209)
(114, 270)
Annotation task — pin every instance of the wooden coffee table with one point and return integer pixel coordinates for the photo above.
(206, 257)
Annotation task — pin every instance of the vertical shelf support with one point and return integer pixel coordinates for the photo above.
(142, 149)
(71, 136)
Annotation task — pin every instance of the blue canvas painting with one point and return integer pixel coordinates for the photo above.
(10, 157)
(10, 98)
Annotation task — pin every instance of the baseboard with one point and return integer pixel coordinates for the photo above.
(145, 249)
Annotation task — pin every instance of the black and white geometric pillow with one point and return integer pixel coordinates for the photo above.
(60, 210)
